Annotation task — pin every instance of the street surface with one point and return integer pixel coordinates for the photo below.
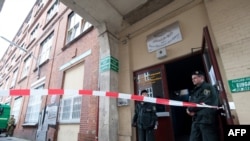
(3, 138)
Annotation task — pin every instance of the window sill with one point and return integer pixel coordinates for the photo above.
(77, 38)
(38, 10)
(31, 42)
(69, 122)
(29, 125)
(22, 79)
(50, 20)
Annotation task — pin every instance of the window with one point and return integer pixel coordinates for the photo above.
(14, 78)
(76, 25)
(13, 60)
(45, 49)
(33, 34)
(29, 19)
(21, 51)
(7, 84)
(86, 25)
(16, 108)
(33, 110)
(26, 67)
(52, 11)
(40, 2)
(70, 109)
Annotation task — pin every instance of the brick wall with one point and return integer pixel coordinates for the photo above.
(89, 114)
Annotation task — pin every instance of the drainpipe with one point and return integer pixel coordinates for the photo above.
(97, 120)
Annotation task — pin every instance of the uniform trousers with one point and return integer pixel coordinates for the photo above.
(146, 135)
(204, 132)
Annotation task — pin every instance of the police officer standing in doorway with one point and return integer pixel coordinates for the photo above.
(204, 120)
(145, 119)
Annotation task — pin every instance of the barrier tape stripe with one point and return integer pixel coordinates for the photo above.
(28, 92)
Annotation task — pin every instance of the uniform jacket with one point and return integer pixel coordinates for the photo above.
(204, 93)
(11, 122)
(145, 115)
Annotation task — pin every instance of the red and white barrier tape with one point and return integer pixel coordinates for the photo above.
(163, 101)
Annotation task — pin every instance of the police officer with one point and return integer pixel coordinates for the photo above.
(145, 119)
(204, 125)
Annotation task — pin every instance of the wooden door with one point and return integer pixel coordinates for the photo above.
(214, 77)
(153, 80)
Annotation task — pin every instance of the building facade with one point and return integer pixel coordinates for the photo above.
(60, 51)
(162, 42)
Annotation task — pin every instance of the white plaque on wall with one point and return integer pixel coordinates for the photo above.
(164, 37)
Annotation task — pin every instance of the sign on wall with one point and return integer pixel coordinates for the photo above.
(164, 37)
(239, 85)
(109, 63)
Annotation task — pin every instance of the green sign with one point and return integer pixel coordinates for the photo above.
(109, 63)
(239, 85)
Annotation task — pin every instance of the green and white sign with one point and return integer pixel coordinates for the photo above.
(239, 85)
(109, 63)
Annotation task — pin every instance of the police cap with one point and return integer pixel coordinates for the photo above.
(198, 72)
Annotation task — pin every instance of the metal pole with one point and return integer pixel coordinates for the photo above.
(36, 59)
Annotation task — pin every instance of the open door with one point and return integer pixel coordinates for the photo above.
(153, 80)
(214, 77)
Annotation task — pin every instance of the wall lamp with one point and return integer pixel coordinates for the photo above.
(26, 51)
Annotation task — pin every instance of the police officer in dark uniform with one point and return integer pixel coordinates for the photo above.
(145, 119)
(204, 125)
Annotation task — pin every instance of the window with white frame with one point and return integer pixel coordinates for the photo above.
(70, 109)
(76, 25)
(45, 49)
(34, 105)
(14, 78)
(85, 25)
(33, 34)
(52, 11)
(17, 107)
(26, 66)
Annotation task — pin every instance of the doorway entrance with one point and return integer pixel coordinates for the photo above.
(172, 80)
(178, 76)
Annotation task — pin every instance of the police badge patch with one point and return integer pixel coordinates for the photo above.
(206, 92)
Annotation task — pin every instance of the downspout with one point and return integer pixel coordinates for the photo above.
(52, 62)
(97, 120)
(98, 99)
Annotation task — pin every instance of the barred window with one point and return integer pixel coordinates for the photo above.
(70, 109)
(33, 110)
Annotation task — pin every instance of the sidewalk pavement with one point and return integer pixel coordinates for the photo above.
(3, 138)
